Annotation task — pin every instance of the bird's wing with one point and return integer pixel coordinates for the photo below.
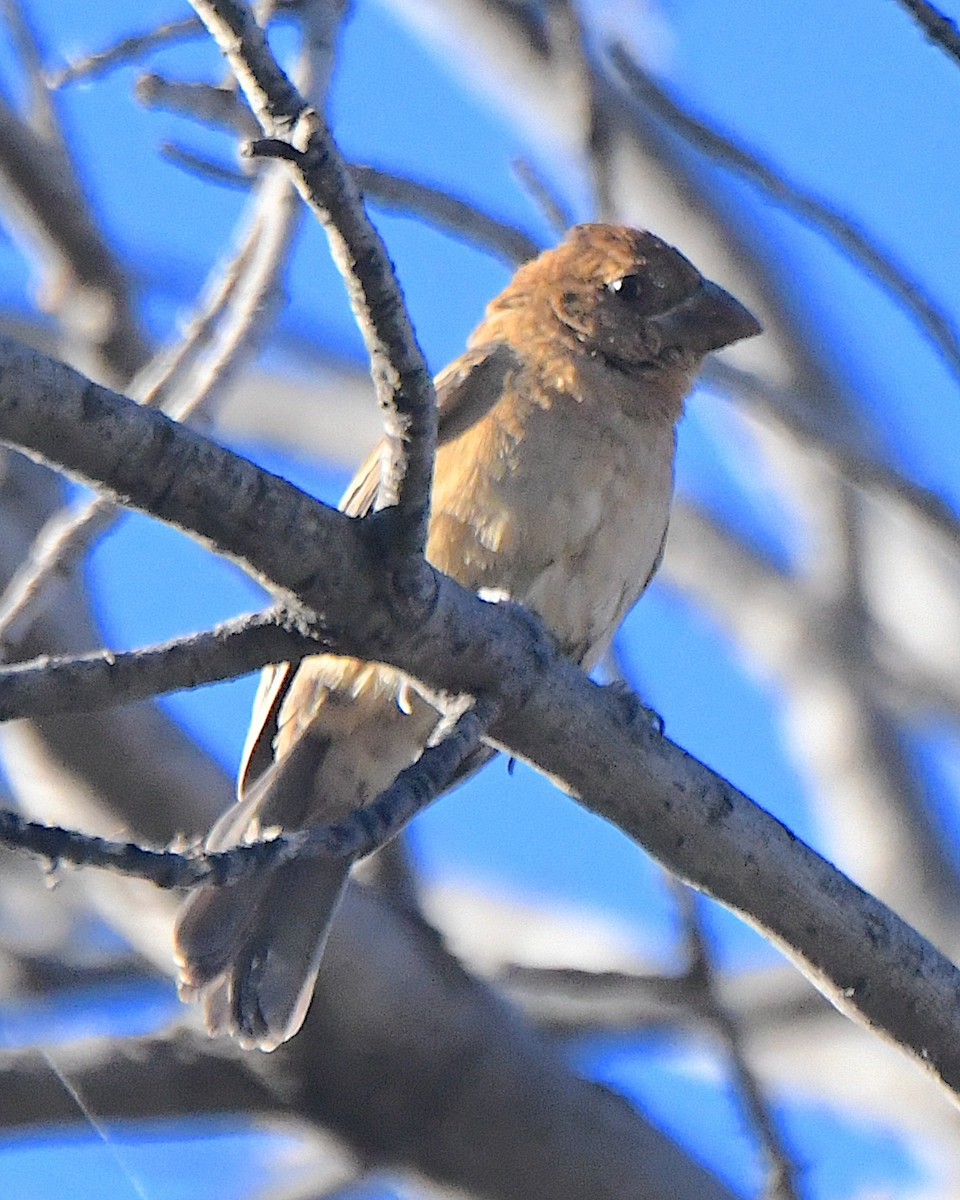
(258, 748)
(466, 391)
(470, 386)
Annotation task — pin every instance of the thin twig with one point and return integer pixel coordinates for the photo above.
(205, 168)
(361, 834)
(452, 213)
(939, 29)
(786, 408)
(555, 212)
(139, 46)
(130, 49)
(781, 1182)
(102, 679)
(403, 383)
(223, 108)
(810, 208)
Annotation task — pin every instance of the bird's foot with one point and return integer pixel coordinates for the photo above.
(631, 708)
(544, 645)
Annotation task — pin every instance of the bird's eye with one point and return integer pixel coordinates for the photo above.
(628, 288)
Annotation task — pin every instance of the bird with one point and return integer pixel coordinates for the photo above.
(552, 489)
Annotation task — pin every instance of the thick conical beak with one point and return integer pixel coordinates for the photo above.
(711, 318)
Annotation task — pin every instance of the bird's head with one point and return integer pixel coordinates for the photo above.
(621, 300)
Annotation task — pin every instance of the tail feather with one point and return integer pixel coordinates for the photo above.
(250, 952)
(211, 926)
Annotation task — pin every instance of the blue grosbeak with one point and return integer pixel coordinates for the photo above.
(554, 477)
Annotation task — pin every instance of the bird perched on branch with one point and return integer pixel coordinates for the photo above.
(554, 476)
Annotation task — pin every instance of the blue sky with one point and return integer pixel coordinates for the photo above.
(851, 102)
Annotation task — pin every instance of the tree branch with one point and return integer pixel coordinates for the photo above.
(811, 209)
(869, 963)
(91, 293)
(222, 107)
(403, 383)
(103, 679)
(129, 49)
(939, 29)
(359, 835)
(459, 1097)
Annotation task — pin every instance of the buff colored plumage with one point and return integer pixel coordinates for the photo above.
(553, 486)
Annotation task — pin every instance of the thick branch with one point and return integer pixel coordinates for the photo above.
(868, 962)
(462, 1089)
(156, 465)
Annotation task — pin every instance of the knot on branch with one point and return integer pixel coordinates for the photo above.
(301, 139)
(272, 147)
(412, 591)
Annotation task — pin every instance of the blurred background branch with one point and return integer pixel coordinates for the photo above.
(848, 626)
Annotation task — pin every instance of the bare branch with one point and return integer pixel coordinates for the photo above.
(57, 546)
(403, 383)
(366, 1047)
(222, 107)
(210, 104)
(811, 209)
(793, 634)
(869, 963)
(87, 682)
(554, 211)
(120, 443)
(83, 282)
(570, 53)
(204, 167)
(130, 49)
(571, 1001)
(361, 834)
(43, 117)
(781, 1170)
(448, 212)
(939, 29)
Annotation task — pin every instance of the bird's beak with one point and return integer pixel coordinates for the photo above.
(709, 319)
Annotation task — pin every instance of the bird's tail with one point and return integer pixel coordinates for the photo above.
(250, 951)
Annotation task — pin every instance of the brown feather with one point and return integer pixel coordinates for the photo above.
(553, 483)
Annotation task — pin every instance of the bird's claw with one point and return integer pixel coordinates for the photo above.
(544, 645)
(631, 708)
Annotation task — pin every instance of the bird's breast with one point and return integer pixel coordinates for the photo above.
(563, 507)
